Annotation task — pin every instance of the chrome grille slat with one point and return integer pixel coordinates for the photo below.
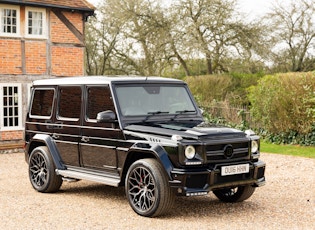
(215, 153)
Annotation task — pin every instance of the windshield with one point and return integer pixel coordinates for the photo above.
(154, 99)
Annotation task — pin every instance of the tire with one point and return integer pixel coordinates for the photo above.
(42, 171)
(237, 194)
(147, 188)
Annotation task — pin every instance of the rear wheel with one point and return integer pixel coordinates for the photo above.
(42, 171)
(236, 194)
(147, 188)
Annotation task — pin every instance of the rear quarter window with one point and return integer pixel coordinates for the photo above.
(42, 104)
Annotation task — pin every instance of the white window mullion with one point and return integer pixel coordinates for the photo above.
(1, 107)
(11, 106)
(9, 20)
(35, 22)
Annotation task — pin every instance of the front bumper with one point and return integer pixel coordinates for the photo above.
(199, 182)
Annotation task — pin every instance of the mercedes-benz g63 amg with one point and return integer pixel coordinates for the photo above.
(144, 133)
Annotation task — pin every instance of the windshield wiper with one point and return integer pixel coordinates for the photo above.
(182, 112)
(150, 114)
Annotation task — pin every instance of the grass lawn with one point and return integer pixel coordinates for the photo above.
(294, 150)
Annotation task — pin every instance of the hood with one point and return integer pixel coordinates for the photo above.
(186, 132)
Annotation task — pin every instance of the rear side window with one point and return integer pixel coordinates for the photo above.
(42, 102)
(70, 102)
(99, 99)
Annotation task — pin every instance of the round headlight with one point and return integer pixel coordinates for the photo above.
(190, 152)
(254, 146)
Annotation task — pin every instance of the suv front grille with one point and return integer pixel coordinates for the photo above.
(218, 152)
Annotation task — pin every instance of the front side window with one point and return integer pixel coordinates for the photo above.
(42, 102)
(9, 20)
(35, 19)
(99, 99)
(70, 102)
(135, 100)
(11, 105)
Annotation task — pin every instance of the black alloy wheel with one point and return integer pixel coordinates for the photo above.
(42, 171)
(147, 188)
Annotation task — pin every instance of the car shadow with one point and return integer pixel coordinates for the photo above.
(91, 189)
(199, 206)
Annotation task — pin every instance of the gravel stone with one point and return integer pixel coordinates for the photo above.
(287, 201)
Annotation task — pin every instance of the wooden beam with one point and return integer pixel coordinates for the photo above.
(68, 24)
(23, 57)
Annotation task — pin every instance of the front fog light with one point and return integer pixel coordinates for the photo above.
(190, 152)
(254, 146)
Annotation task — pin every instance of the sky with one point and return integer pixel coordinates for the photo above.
(252, 8)
(255, 7)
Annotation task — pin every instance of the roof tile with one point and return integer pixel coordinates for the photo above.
(82, 5)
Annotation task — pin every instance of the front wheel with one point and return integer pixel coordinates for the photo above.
(236, 194)
(42, 171)
(147, 188)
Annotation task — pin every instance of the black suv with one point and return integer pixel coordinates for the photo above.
(147, 134)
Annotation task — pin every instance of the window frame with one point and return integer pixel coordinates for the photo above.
(20, 107)
(32, 101)
(58, 115)
(44, 26)
(87, 118)
(18, 20)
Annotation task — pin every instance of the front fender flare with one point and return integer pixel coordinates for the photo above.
(160, 154)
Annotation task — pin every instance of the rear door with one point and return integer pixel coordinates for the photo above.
(67, 124)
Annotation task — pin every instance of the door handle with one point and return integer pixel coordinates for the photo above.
(85, 139)
(55, 136)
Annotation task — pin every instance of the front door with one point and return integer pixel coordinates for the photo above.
(99, 140)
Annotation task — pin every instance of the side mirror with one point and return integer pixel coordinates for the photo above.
(106, 116)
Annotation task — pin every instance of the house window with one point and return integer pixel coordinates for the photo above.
(36, 20)
(10, 106)
(9, 20)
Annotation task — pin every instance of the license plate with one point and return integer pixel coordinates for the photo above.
(234, 169)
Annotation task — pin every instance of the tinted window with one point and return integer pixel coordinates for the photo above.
(70, 102)
(139, 100)
(99, 99)
(42, 102)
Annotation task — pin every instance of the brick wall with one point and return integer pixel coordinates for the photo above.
(65, 54)
(11, 135)
(35, 57)
(73, 56)
(60, 54)
(10, 56)
(60, 33)
(67, 47)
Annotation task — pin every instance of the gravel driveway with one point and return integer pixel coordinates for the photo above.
(287, 201)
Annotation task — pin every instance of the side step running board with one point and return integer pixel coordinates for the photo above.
(88, 176)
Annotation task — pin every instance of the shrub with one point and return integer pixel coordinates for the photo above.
(237, 94)
(209, 88)
(285, 103)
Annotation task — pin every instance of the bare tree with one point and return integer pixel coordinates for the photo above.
(148, 38)
(143, 39)
(215, 31)
(102, 36)
(294, 32)
(126, 37)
